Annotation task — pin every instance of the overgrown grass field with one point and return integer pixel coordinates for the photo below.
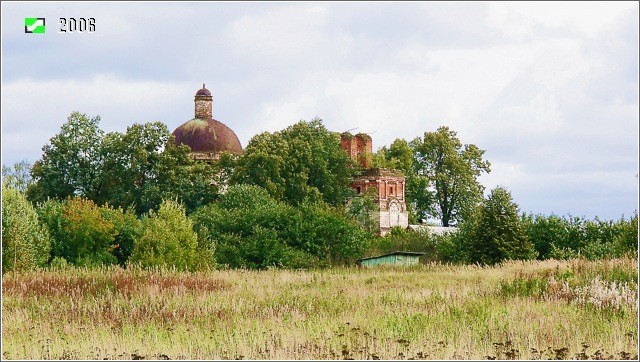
(551, 309)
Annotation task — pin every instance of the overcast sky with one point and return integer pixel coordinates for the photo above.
(549, 90)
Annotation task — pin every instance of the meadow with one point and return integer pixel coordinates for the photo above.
(575, 309)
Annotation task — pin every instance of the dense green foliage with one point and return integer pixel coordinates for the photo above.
(136, 169)
(495, 233)
(285, 205)
(128, 229)
(84, 233)
(142, 167)
(25, 242)
(71, 161)
(168, 239)
(363, 209)
(499, 233)
(302, 163)
(452, 170)
(251, 229)
(419, 197)
(567, 237)
(441, 174)
(399, 239)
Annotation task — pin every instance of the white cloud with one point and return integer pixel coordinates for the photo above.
(523, 19)
(283, 33)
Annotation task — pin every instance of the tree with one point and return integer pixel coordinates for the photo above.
(136, 169)
(264, 163)
(363, 210)
(143, 166)
(168, 240)
(25, 242)
(251, 229)
(127, 227)
(499, 233)
(626, 239)
(71, 161)
(302, 163)
(452, 171)
(222, 170)
(18, 176)
(83, 234)
(400, 156)
(546, 232)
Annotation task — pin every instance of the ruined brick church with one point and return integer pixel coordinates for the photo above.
(208, 138)
(386, 186)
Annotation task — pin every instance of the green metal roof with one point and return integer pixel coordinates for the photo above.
(394, 253)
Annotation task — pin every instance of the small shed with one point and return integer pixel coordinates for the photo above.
(400, 258)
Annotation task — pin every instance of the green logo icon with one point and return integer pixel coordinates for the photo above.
(34, 25)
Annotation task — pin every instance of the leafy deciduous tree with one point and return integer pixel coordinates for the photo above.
(71, 161)
(251, 229)
(18, 176)
(302, 163)
(453, 172)
(168, 239)
(143, 166)
(88, 236)
(135, 169)
(419, 197)
(25, 242)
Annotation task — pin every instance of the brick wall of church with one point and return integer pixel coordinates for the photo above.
(358, 147)
(388, 185)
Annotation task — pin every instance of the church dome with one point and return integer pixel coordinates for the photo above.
(203, 92)
(206, 136)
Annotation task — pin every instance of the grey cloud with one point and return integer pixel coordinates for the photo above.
(381, 67)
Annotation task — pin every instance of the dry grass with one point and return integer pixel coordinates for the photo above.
(426, 312)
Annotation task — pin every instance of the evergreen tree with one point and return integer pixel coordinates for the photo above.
(499, 233)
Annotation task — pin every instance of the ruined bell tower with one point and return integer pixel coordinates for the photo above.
(389, 185)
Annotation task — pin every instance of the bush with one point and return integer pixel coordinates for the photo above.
(250, 229)
(85, 234)
(59, 263)
(569, 237)
(545, 232)
(168, 240)
(25, 242)
(399, 239)
(451, 247)
(625, 242)
(82, 232)
(128, 229)
(327, 233)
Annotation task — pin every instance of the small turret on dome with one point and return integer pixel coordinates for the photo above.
(204, 103)
(203, 92)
